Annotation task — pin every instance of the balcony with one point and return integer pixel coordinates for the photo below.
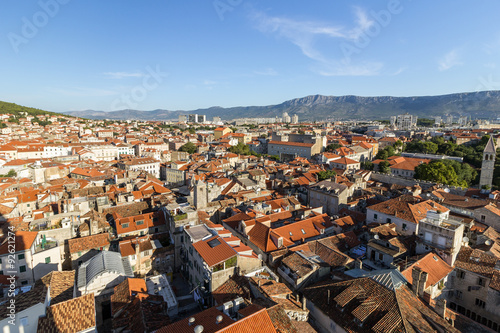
(47, 245)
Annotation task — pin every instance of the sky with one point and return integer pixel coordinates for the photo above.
(69, 55)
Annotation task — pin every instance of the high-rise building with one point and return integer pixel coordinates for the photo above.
(182, 118)
(216, 120)
(295, 119)
(202, 118)
(393, 121)
(286, 118)
(463, 121)
(406, 121)
(193, 118)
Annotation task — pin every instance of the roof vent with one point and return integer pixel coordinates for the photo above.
(191, 321)
(198, 329)
(218, 319)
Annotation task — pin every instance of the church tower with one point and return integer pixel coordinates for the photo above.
(488, 165)
(200, 195)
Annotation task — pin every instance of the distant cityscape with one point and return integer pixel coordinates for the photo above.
(201, 225)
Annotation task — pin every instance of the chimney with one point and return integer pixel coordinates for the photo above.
(358, 264)
(441, 307)
(137, 255)
(415, 277)
(328, 297)
(304, 303)
(259, 283)
(421, 283)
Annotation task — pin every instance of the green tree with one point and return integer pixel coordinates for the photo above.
(367, 165)
(191, 131)
(327, 174)
(332, 146)
(429, 147)
(440, 172)
(240, 148)
(384, 167)
(189, 148)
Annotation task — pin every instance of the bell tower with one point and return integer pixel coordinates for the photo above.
(488, 165)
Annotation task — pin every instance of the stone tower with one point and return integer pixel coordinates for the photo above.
(488, 164)
(200, 194)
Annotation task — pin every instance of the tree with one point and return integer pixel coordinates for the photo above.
(384, 167)
(333, 146)
(440, 172)
(429, 147)
(367, 165)
(189, 148)
(327, 174)
(382, 155)
(424, 122)
(240, 148)
(191, 131)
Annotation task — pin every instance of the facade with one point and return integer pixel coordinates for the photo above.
(488, 165)
(406, 121)
(441, 233)
(147, 164)
(328, 195)
(34, 257)
(475, 288)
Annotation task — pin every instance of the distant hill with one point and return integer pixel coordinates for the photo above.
(483, 104)
(15, 109)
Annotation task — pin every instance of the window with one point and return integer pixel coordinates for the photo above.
(375, 216)
(483, 218)
(380, 256)
(79, 253)
(481, 282)
(1, 272)
(480, 303)
(124, 225)
(405, 227)
(388, 220)
(141, 222)
(24, 282)
(460, 274)
(458, 294)
(22, 269)
(47, 260)
(20, 257)
(24, 321)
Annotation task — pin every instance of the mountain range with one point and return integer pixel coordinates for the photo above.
(483, 104)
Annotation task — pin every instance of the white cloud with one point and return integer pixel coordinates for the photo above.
(304, 34)
(449, 60)
(266, 72)
(123, 75)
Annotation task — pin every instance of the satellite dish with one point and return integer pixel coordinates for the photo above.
(466, 239)
(447, 190)
(488, 242)
(376, 237)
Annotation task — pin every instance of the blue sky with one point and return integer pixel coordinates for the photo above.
(63, 55)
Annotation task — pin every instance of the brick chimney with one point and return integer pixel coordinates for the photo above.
(421, 285)
(415, 277)
(441, 307)
(358, 264)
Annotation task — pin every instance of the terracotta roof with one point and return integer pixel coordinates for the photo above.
(205, 318)
(476, 261)
(124, 291)
(432, 264)
(88, 242)
(407, 207)
(75, 315)
(214, 250)
(378, 309)
(23, 241)
(286, 143)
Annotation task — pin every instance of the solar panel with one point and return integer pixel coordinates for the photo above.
(214, 242)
